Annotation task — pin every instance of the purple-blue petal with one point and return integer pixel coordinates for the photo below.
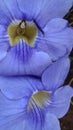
(60, 101)
(23, 61)
(11, 107)
(9, 11)
(30, 10)
(55, 25)
(58, 40)
(51, 122)
(18, 87)
(34, 10)
(53, 9)
(54, 76)
(14, 122)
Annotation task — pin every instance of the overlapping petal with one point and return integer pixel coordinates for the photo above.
(22, 62)
(51, 122)
(55, 25)
(53, 9)
(30, 10)
(21, 59)
(13, 116)
(18, 87)
(49, 9)
(15, 122)
(54, 76)
(54, 43)
(60, 101)
(35, 10)
(58, 40)
(12, 113)
(11, 107)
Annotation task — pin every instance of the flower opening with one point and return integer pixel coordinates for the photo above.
(22, 30)
(40, 98)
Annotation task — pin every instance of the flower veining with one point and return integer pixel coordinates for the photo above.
(40, 98)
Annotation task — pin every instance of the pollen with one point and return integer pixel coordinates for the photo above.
(22, 30)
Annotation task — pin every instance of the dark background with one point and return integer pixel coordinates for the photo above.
(67, 121)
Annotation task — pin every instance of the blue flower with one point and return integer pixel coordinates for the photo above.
(30, 103)
(29, 39)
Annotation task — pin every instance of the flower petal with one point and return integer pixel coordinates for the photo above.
(38, 63)
(5, 17)
(32, 125)
(23, 62)
(9, 11)
(30, 10)
(51, 122)
(58, 39)
(54, 50)
(18, 87)
(34, 10)
(53, 9)
(11, 107)
(54, 76)
(15, 122)
(3, 42)
(60, 101)
(12, 113)
(55, 25)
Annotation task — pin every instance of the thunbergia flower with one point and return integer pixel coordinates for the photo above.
(29, 39)
(25, 103)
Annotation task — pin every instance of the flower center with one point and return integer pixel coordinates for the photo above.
(40, 98)
(24, 30)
